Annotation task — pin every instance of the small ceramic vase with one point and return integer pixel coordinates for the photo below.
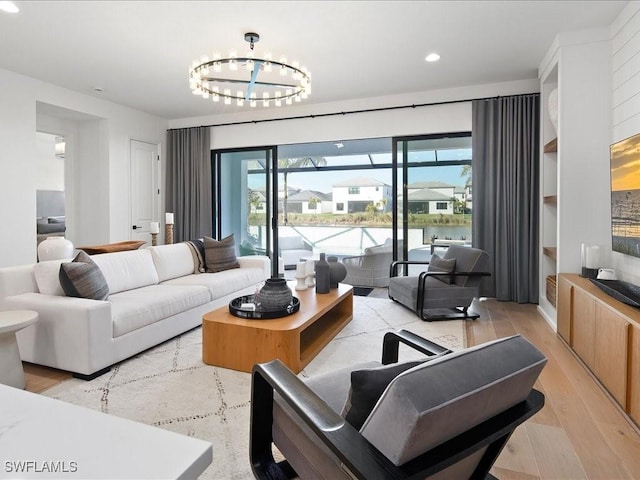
(275, 295)
(337, 271)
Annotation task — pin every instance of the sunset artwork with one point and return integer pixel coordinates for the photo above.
(625, 196)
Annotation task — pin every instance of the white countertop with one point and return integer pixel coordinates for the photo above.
(39, 434)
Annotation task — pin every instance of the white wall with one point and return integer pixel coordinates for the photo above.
(102, 166)
(49, 169)
(625, 32)
(452, 117)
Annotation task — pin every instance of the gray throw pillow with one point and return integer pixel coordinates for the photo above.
(437, 264)
(83, 278)
(220, 255)
(367, 386)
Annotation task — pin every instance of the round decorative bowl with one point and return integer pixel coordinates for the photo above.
(245, 307)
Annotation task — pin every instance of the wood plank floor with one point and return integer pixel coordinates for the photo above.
(579, 434)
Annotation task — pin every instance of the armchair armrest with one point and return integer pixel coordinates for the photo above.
(362, 459)
(393, 269)
(424, 275)
(392, 340)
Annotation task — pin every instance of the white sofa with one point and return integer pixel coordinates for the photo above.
(154, 294)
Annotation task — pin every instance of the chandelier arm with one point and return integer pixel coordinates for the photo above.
(264, 84)
(252, 82)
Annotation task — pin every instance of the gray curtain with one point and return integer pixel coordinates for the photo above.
(505, 185)
(189, 182)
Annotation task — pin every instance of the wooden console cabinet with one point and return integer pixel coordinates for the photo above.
(605, 334)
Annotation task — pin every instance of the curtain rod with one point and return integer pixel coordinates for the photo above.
(350, 112)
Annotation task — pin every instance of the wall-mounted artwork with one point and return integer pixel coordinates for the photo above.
(625, 196)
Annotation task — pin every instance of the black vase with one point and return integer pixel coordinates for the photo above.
(275, 295)
(323, 274)
(337, 271)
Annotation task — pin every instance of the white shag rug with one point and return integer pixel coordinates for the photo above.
(170, 387)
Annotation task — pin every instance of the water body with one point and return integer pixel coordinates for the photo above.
(625, 221)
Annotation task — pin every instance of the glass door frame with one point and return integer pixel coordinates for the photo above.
(401, 144)
(271, 189)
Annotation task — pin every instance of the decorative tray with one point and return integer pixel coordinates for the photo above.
(244, 307)
(625, 292)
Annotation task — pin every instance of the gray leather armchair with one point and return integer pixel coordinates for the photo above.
(446, 288)
(448, 416)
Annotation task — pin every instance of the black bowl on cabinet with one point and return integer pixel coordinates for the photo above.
(623, 291)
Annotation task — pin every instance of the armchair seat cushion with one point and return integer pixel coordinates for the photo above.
(437, 294)
(440, 291)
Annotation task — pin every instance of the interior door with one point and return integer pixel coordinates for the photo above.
(145, 192)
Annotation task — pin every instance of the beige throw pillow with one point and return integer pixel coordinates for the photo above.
(220, 255)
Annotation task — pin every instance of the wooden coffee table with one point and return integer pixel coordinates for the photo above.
(238, 344)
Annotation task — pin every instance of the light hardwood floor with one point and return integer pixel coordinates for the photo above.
(579, 434)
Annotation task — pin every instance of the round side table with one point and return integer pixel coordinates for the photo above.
(11, 372)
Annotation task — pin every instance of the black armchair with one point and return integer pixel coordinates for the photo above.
(446, 289)
(423, 424)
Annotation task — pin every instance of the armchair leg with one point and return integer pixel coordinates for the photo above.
(460, 313)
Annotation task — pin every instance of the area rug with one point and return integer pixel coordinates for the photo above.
(170, 387)
(362, 291)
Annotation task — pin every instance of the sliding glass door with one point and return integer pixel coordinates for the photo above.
(433, 181)
(343, 197)
(244, 199)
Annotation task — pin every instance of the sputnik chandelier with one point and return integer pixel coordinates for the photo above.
(249, 79)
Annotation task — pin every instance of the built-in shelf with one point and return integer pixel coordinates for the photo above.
(551, 199)
(550, 252)
(552, 146)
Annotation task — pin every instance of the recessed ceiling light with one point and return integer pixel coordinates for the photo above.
(9, 7)
(432, 57)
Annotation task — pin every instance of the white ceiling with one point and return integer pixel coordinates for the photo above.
(139, 52)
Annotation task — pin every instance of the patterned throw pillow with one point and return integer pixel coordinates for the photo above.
(83, 278)
(437, 264)
(197, 249)
(220, 255)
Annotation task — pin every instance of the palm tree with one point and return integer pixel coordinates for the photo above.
(465, 173)
(284, 164)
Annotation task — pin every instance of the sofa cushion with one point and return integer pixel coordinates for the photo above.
(441, 265)
(47, 275)
(127, 270)
(82, 278)
(222, 283)
(44, 228)
(292, 243)
(367, 386)
(432, 403)
(172, 261)
(134, 309)
(220, 255)
(378, 249)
